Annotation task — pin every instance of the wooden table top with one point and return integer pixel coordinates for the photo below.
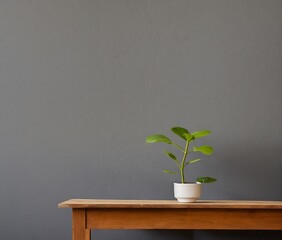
(231, 204)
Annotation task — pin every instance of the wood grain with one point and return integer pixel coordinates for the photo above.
(221, 219)
(168, 214)
(229, 204)
(79, 230)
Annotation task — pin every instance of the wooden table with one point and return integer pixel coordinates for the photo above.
(90, 214)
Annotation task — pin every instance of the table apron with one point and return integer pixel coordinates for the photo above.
(229, 219)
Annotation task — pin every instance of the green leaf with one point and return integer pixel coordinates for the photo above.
(169, 172)
(182, 132)
(170, 155)
(158, 138)
(201, 133)
(206, 179)
(193, 161)
(207, 150)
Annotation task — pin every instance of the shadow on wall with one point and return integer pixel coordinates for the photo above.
(186, 234)
(146, 234)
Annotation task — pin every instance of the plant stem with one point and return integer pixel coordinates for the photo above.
(183, 162)
(182, 175)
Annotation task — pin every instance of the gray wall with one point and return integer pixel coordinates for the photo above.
(82, 83)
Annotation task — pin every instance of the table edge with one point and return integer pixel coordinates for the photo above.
(170, 204)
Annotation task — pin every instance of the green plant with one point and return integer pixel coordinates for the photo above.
(188, 137)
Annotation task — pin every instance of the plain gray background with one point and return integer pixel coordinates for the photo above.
(82, 83)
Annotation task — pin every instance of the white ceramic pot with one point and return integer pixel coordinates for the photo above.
(187, 192)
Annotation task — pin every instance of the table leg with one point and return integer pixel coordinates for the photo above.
(79, 231)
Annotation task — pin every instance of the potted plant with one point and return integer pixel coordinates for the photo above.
(185, 191)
